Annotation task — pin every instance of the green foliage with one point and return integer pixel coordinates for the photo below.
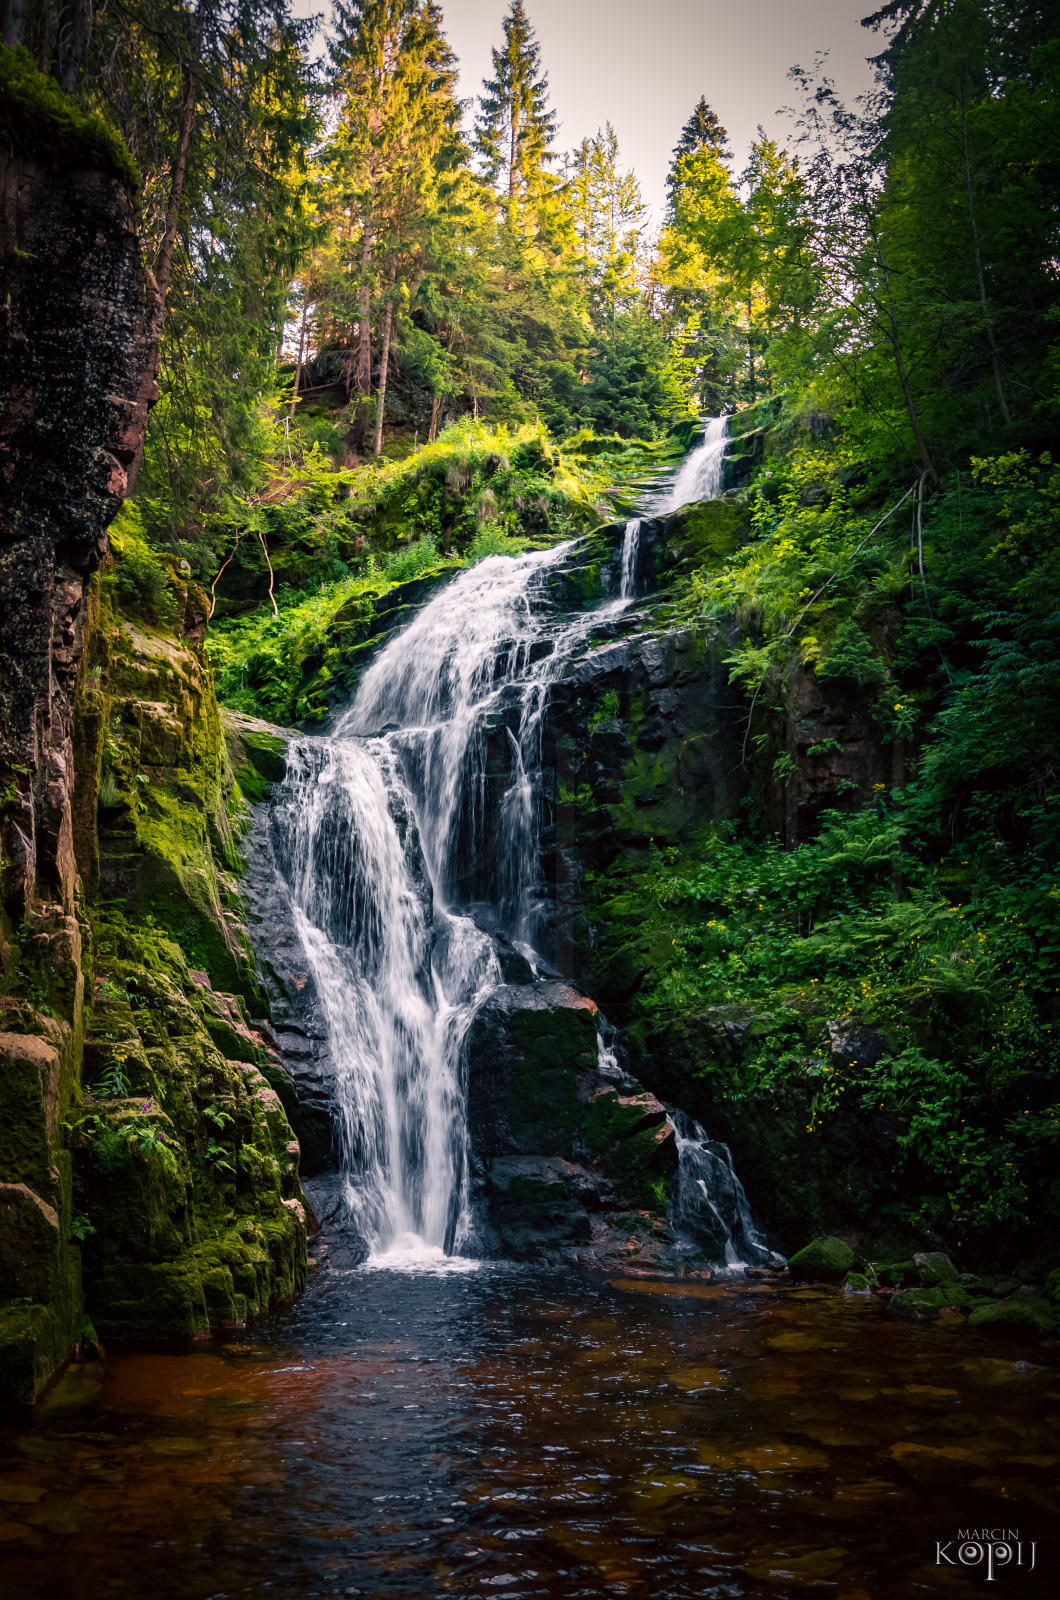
(606, 712)
(491, 540)
(114, 1082)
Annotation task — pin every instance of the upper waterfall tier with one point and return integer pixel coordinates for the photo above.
(701, 476)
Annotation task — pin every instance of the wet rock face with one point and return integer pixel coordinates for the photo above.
(77, 355)
(296, 1036)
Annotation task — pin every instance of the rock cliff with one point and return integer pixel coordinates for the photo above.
(136, 1130)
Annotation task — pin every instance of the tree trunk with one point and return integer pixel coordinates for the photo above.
(164, 265)
(301, 348)
(363, 374)
(512, 167)
(995, 359)
(750, 353)
(910, 406)
(436, 406)
(71, 42)
(384, 359)
(14, 21)
(176, 185)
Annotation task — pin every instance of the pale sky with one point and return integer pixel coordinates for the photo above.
(643, 64)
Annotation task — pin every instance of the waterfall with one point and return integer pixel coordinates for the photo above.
(701, 474)
(630, 548)
(416, 821)
(424, 803)
(708, 1202)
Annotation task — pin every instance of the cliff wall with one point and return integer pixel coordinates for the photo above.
(136, 1131)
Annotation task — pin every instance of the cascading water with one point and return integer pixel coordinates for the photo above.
(423, 805)
(708, 1202)
(701, 474)
(630, 551)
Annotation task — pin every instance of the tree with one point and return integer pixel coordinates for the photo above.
(215, 102)
(397, 131)
(702, 131)
(515, 125)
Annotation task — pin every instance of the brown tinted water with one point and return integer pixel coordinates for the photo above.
(512, 1432)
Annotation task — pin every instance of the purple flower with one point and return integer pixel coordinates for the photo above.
(161, 1138)
(149, 1105)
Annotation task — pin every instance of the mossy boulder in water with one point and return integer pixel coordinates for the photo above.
(828, 1258)
(1020, 1315)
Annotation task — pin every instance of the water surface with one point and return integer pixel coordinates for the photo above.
(516, 1431)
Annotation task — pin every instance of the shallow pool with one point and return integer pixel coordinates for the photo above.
(510, 1431)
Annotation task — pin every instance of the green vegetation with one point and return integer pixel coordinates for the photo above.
(39, 119)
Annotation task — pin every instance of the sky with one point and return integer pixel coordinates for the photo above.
(643, 64)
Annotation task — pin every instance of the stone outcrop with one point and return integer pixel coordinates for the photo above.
(77, 352)
(76, 382)
(148, 1173)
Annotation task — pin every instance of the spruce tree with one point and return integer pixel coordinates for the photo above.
(515, 124)
(702, 131)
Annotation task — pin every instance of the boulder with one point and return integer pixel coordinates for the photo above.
(536, 1204)
(525, 1052)
(30, 1245)
(827, 1258)
(1020, 1315)
(935, 1268)
(925, 1304)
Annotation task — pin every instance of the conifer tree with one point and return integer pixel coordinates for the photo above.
(515, 125)
(397, 129)
(702, 131)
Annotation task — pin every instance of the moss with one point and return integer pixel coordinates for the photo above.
(1014, 1317)
(827, 1258)
(609, 1120)
(554, 1046)
(150, 1297)
(52, 128)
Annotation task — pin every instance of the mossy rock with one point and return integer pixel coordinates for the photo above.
(857, 1283)
(1052, 1288)
(51, 126)
(267, 754)
(150, 1298)
(827, 1258)
(924, 1304)
(933, 1267)
(1017, 1316)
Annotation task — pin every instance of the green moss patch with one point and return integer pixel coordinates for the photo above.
(51, 127)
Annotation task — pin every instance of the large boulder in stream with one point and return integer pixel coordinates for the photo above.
(538, 1204)
(526, 1050)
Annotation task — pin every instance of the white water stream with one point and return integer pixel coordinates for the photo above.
(425, 803)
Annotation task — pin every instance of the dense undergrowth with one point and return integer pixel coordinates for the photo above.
(925, 909)
(337, 545)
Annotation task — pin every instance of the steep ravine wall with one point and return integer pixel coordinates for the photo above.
(148, 1174)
